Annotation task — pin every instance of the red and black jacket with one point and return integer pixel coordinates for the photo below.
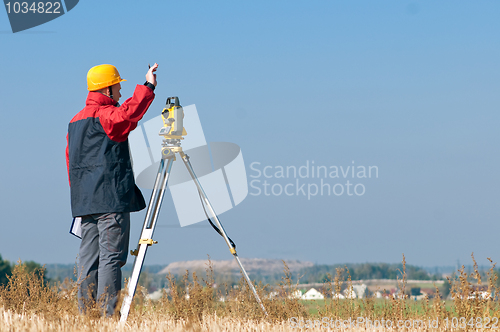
(98, 155)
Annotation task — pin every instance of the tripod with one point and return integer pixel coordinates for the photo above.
(173, 132)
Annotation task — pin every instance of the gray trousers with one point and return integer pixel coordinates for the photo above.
(103, 252)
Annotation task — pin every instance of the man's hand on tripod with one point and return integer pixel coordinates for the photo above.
(150, 77)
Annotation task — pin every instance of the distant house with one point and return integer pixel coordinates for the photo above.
(398, 294)
(357, 291)
(349, 293)
(273, 294)
(360, 290)
(312, 294)
(476, 291)
(155, 296)
(386, 294)
(338, 296)
(430, 292)
(296, 295)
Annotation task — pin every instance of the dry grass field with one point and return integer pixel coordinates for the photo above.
(27, 303)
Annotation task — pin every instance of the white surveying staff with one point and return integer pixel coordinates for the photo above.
(173, 132)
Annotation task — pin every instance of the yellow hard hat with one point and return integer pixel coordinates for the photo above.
(102, 76)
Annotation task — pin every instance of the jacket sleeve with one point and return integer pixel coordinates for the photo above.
(118, 122)
(67, 158)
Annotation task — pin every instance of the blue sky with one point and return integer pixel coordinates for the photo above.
(410, 87)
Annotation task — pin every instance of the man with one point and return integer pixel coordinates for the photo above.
(103, 190)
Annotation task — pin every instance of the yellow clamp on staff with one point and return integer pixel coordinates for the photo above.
(147, 241)
(143, 241)
(233, 251)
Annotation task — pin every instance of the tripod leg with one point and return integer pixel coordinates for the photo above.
(185, 159)
(147, 233)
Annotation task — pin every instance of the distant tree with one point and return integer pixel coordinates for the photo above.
(34, 267)
(416, 273)
(318, 273)
(5, 271)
